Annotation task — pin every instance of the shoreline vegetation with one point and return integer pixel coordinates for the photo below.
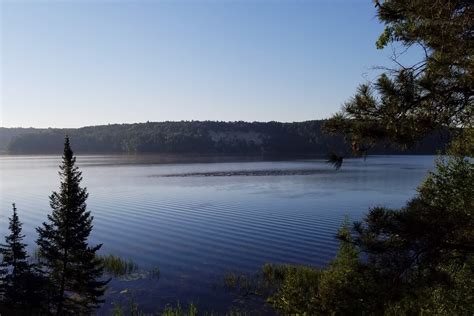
(197, 138)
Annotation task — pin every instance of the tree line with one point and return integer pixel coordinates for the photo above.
(204, 137)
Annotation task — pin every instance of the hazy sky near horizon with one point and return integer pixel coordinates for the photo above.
(78, 63)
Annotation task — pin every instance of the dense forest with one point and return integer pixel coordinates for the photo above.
(204, 137)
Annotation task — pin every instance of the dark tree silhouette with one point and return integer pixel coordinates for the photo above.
(66, 257)
(204, 137)
(15, 266)
(410, 101)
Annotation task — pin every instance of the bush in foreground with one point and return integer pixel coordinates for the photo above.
(418, 259)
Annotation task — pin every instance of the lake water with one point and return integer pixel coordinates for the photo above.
(197, 221)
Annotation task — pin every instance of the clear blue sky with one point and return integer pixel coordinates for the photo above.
(78, 63)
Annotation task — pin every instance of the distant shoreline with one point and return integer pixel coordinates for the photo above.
(197, 138)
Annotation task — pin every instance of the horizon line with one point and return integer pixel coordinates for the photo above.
(166, 121)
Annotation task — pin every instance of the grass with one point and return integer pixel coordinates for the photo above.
(233, 281)
(178, 310)
(191, 310)
(117, 266)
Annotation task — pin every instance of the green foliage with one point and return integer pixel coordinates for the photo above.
(409, 102)
(134, 310)
(296, 289)
(205, 137)
(418, 259)
(22, 287)
(242, 283)
(117, 310)
(340, 289)
(179, 311)
(16, 270)
(411, 261)
(117, 266)
(407, 239)
(463, 145)
(424, 251)
(344, 287)
(67, 260)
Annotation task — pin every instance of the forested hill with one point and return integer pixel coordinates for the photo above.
(205, 137)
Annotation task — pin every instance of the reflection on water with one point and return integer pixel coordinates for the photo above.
(197, 228)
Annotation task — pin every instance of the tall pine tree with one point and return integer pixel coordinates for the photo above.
(411, 101)
(15, 266)
(67, 259)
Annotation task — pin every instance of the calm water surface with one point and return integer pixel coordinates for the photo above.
(196, 228)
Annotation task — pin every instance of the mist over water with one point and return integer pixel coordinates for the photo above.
(195, 226)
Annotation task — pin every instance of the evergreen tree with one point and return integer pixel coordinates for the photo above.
(3, 275)
(420, 257)
(410, 101)
(15, 266)
(345, 288)
(67, 259)
(424, 253)
(417, 260)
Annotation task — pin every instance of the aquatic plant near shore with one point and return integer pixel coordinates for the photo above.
(117, 266)
(133, 310)
(178, 310)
